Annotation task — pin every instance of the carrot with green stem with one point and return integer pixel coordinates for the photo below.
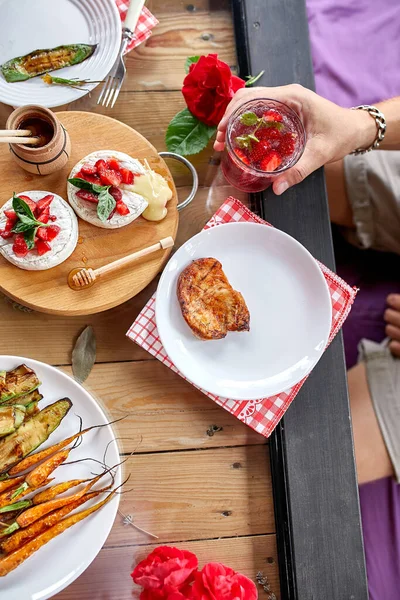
(14, 559)
(10, 497)
(9, 483)
(22, 536)
(56, 490)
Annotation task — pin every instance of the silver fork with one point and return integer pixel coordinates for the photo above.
(115, 78)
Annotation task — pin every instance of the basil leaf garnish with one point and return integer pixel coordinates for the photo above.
(81, 183)
(105, 205)
(30, 237)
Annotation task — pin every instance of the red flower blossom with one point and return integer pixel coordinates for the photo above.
(209, 87)
(165, 573)
(217, 582)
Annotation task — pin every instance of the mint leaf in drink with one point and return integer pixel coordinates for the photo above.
(253, 137)
(245, 141)
(187, 135)
(190, 61)
(275, 124)
(106, 204)
(81, 183)
(249, 118)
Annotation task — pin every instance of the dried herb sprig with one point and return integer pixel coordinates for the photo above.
(262, 580)
(74, 83)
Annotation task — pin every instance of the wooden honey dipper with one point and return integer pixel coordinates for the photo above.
(82, 278)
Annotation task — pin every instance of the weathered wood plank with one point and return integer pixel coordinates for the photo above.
(108, 577)
(193, 495)
(164, 412)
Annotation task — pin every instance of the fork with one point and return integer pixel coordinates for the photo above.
(115, 78)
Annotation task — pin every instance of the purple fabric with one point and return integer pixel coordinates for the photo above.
(380, 511)
(355, 47)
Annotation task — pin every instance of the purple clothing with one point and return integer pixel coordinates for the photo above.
(355, 47)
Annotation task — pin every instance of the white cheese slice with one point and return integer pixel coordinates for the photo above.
(61, 247)
(88, 210)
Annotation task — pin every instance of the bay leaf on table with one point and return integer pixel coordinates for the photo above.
(84, 354)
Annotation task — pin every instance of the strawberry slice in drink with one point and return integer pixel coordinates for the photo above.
(88, 196)
(42, 247)
(271, 161)
(259, 151)
(272, 115)
(242, 155)
(20, 247)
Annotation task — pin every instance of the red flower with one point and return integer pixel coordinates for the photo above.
(217, 582)
(165, 572)
(209, 87)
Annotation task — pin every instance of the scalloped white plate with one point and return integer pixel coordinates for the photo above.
(290, 313)
(61, 561)
(27, 25)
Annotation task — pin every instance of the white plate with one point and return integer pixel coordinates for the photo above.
(290, 313)
(61, 561)
(27, 25)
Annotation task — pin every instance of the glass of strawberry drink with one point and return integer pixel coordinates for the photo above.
(264, 138)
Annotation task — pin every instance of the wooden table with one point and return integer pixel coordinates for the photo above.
(206, 491)
(200, 479)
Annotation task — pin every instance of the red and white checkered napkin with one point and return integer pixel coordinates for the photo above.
(144, 26)
(262, 415)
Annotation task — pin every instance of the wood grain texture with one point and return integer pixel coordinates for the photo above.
(200, 494)
(108, 577)
(48, 291)
(163, 411)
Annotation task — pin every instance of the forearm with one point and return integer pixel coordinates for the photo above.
(367, 127)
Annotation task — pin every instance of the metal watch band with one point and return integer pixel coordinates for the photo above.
(380, 127)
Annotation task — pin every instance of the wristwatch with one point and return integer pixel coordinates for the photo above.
(380, 127)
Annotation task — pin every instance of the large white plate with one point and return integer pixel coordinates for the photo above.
(290, 313)
(27, 25)
(62, 560)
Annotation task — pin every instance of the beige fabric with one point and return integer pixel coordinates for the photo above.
(373, 188)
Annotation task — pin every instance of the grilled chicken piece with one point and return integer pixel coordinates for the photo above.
(209, 304)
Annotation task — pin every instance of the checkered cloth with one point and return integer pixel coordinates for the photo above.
(144, 26)
(262, 415)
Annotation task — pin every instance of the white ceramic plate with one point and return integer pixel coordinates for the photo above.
(289, 304)
(27, 25)
(62, 560)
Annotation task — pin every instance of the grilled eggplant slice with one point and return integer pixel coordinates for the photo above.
(19, 381)
(32, 433)
(11, 417)
(39, 62)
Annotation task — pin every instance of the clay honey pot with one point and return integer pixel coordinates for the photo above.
(52, 153)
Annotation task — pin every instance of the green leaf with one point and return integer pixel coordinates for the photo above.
(22, 209)
(187, 135)
(81, 183)
(99, 188)
(243, 141)
(29, 237)
(275, 124)
(249, 118)
(105, 205)
(20, 227)
(190, 61)
(253, 137)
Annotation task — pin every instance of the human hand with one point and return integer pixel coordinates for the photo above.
(392, 318)
(332, 131)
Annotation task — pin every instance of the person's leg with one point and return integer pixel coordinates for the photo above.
(340, 209)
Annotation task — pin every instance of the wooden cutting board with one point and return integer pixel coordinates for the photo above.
(48, 291)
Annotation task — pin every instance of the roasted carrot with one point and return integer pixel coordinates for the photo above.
(21, 537)
(36, 512)
(14, 559)
(41, 472)
(8, 483)
(56, 490)
(10, 497)
(33, 459)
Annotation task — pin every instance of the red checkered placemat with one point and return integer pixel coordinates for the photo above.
(144, 26)
(262, 415)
